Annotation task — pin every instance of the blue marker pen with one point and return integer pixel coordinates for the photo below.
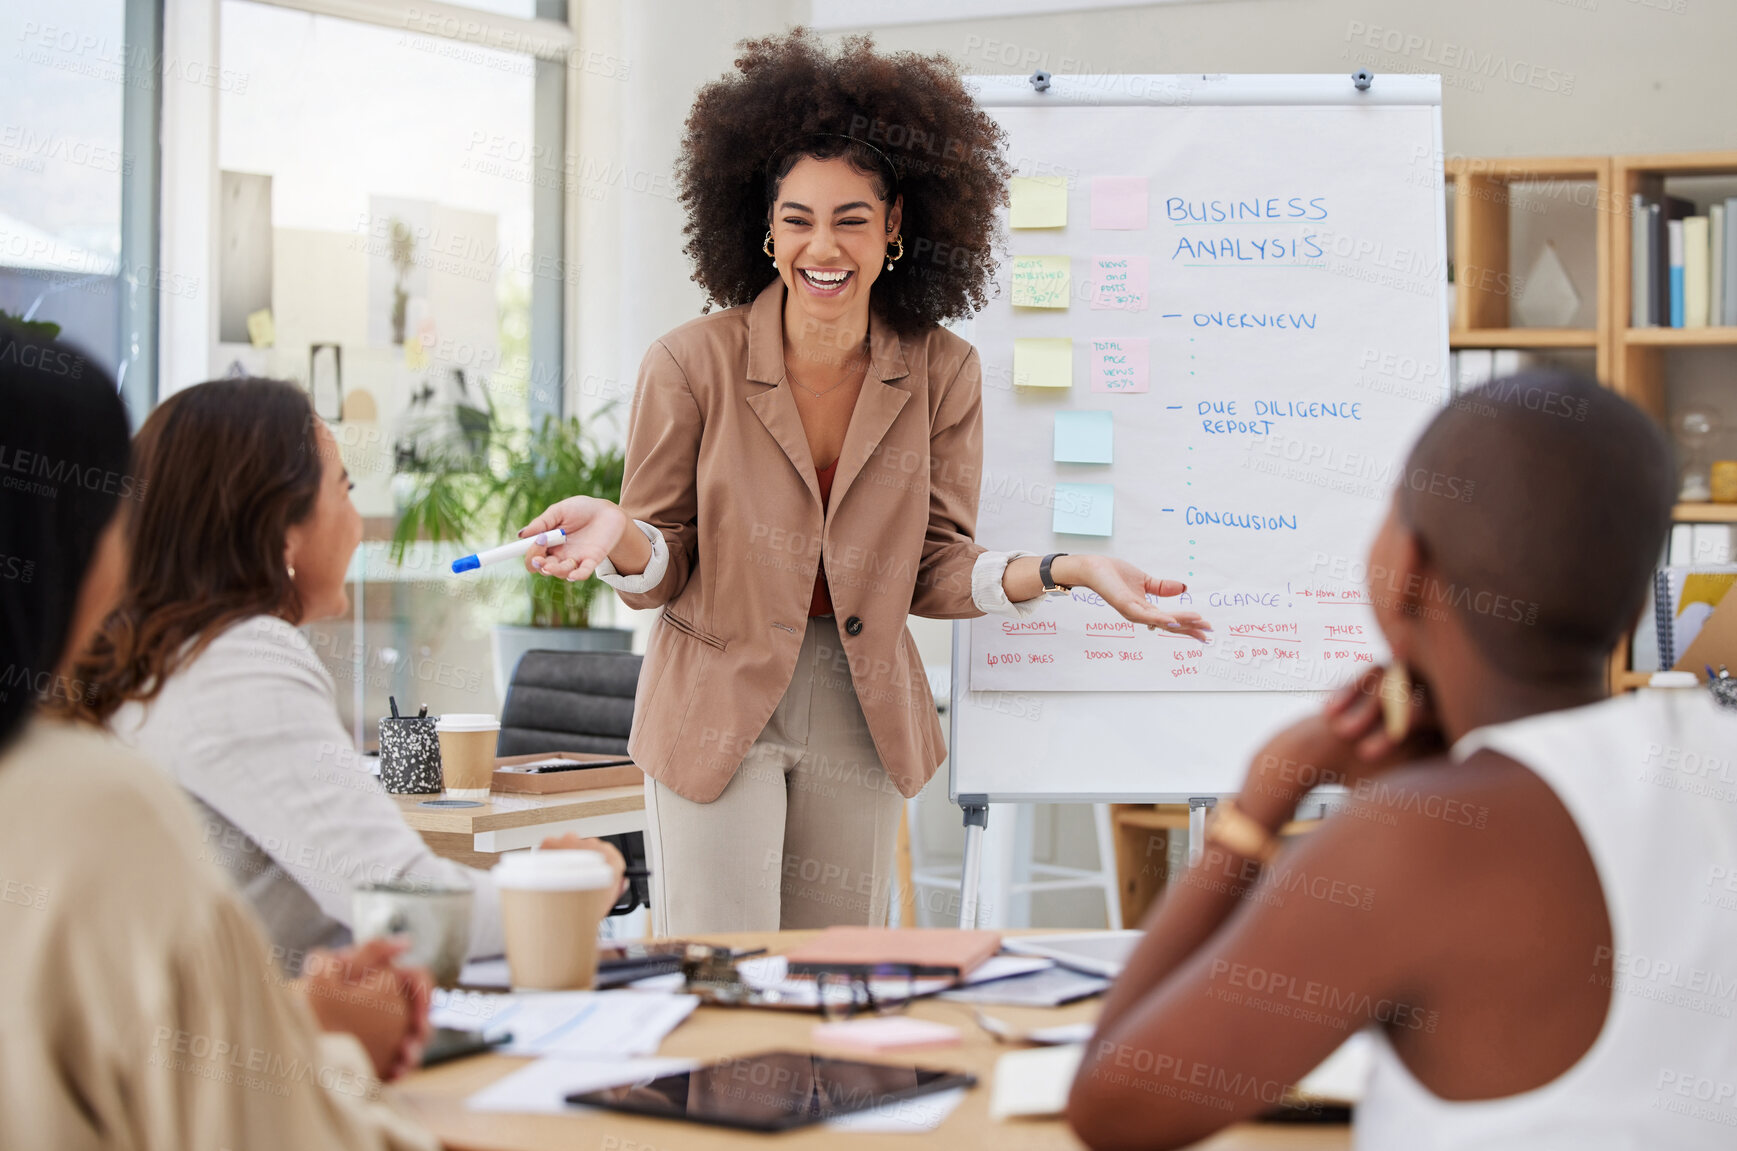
(546, 539)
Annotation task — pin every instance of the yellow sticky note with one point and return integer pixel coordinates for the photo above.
(1040, 281)
(1038, 202)
(1046, 362)
(261, 330)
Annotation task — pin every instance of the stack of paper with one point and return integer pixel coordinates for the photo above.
(603, 1024)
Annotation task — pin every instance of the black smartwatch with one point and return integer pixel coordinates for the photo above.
(1050, 587)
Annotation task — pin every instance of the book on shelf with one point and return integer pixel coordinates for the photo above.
(1656, 265)
(1716, 264)
(1657, 289)
(1641, 313)
(1727, 257)
(1697, 284)
(1702, 544)
(1674, 241)
(1469, 368)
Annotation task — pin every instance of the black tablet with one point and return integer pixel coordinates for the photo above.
(774, 1091)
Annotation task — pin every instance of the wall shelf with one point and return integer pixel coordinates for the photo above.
(1705, 513)
(1632, 361)
(1524, 338)
(1680, 337)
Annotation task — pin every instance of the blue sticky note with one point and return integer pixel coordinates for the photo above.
(1084, 509)
(1084, 437)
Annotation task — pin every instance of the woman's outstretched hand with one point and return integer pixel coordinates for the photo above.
(1125, 588)
(594, 529)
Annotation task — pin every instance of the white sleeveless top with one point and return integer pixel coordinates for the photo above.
(1650, 779)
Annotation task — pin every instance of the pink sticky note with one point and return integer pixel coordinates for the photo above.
(1119, 365)
(1119, 283)
(1119, 202)
(886, 1033)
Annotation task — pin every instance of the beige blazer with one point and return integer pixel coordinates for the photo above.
(718, 462)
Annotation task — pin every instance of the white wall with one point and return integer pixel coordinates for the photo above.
(1552, 77)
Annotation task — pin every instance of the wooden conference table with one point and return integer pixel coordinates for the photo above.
(436, 1097)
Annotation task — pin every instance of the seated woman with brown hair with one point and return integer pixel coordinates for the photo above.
(140, 1008)
(242, 533)
(1519, 896)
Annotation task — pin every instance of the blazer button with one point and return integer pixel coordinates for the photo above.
(853, 625)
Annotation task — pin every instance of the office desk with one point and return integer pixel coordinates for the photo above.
(436, 1097)
(475, 836)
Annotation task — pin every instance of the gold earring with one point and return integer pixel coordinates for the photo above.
(1395, 694)
(766, 246)
(893, 259)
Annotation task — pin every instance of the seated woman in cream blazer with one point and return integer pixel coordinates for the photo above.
(243, 532)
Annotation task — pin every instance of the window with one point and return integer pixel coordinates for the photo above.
(61, 167)
(388, 234)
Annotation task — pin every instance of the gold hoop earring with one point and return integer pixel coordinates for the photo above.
(1396, 700)
(895, 258)
(766, 246)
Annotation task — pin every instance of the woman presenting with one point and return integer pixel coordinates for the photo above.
(803, 470)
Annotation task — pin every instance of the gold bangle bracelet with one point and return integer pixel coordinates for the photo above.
(1239, 833)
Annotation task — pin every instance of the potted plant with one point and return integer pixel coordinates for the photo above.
(490, 485)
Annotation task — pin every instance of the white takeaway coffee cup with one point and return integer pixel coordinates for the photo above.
(552, 903)
(467, 753)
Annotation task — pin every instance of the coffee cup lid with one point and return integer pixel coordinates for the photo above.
(468, 721)
(564, 869)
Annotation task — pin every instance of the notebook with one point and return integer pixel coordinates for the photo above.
(1683, 599)
(936, 950)
(1715, 645)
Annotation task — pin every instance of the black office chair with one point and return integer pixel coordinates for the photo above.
(577, 701)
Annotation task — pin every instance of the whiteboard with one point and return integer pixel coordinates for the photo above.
(1287, 294)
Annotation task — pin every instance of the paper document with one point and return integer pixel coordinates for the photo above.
(1035, 1082)
(1051, 987)
(486, 973)
(903, 1117)
(543, 1086)
(576, 1023)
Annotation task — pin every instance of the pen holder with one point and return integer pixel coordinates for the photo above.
(409, 755)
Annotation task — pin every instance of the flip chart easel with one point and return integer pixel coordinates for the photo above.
(1248, 274)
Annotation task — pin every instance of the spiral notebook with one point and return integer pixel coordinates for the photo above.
(1684, 598)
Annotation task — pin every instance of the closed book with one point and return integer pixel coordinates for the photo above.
(1730, 264)
(1657, 270)
(1682, 546)
(1475, 366)
(1672, 208)
(1716, 264)
(926, 949)
(1640, 263)
(1696, 283)
(1674, 262)
(1713, 544)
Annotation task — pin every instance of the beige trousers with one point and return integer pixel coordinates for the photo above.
(804, 834)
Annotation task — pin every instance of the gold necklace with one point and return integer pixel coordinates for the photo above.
(850, 375)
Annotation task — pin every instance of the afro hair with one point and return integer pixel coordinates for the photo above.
(791, 97)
